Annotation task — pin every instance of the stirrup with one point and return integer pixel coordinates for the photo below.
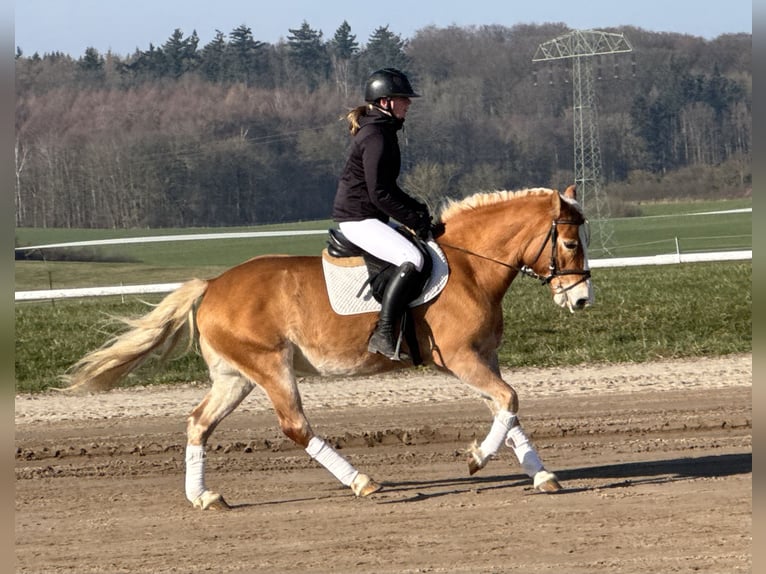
(384, 349)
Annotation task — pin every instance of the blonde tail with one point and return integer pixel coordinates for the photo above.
(157, 333)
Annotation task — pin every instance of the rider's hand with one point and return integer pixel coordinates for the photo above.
(437, 229)
(423, 226)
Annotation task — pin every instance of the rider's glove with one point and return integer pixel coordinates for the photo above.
(422, 227)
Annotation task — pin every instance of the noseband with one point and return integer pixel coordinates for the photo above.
(553, 267)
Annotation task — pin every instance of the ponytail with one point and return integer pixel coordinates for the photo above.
(353, 117)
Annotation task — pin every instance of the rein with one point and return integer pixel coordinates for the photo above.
(553, 270)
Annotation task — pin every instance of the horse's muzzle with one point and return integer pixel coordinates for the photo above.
(576, 297)
(581, 304)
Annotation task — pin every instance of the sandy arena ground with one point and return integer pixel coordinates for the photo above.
(655, 460)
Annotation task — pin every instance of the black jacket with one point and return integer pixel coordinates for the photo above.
(367, 187)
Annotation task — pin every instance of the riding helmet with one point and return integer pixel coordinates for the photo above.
(388, 83)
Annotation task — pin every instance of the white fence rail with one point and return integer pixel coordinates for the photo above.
(670, 258)
(667, 259)
(180, 237)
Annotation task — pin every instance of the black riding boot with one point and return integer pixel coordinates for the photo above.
(396, 297)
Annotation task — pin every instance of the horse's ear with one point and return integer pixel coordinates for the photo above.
(571, 192)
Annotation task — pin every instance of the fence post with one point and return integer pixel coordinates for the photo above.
(50, 286)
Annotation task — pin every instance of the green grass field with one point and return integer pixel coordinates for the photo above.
(696, 227)
(641, 313)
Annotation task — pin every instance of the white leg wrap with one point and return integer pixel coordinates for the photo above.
(328, 457)
(525, 452)
(195, 471)
(500, 427)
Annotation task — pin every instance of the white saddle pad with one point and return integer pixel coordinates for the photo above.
(345, 281)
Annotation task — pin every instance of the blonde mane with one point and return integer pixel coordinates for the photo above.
(482, 199)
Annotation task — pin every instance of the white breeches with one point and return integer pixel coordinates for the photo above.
(382, 241)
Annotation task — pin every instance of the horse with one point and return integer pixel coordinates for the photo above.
(268, 320)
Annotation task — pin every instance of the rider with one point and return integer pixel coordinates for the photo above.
(368, 197)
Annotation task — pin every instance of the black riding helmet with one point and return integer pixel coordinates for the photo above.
(388, 83)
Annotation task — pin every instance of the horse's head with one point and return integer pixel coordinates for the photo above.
(539, 232)
(562, 261)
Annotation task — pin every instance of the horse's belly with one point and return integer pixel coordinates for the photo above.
(307, 363)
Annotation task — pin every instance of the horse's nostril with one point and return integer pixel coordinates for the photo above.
(581, 303)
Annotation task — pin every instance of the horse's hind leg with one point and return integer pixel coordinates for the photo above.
(282, 390)
(229, 389)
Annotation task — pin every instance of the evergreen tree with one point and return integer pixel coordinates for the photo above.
(308, 55)
(343, 49)
(91, 61)
(720, 93)
(213, 59)
(90, 67)
(343, 43)
(148, 64)
(385, 50)
(180, 54)
(244, 54)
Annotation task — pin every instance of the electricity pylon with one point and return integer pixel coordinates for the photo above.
(581, 46)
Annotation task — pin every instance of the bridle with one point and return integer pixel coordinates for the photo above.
(553, 267)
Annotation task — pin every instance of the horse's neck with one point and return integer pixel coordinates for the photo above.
(502, 234)
(497, 235)
(487, 255)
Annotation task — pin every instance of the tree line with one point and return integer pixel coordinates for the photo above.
(242, 132)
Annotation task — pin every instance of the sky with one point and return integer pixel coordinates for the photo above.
(122, 26)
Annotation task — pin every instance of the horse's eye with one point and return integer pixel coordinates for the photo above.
(570, 244)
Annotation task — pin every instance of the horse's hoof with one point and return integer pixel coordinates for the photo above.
(474, 465)
(475, 459)
(211, 500)
(363, 485)
(545, 481)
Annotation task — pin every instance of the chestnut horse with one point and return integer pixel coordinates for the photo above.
(269, 318)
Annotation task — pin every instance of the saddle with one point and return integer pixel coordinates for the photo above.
(379, 271)
(356, 280)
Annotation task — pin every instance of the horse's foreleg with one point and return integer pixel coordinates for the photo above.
(503, 402)
(530, 462)
(480, 454)
(507, 429)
